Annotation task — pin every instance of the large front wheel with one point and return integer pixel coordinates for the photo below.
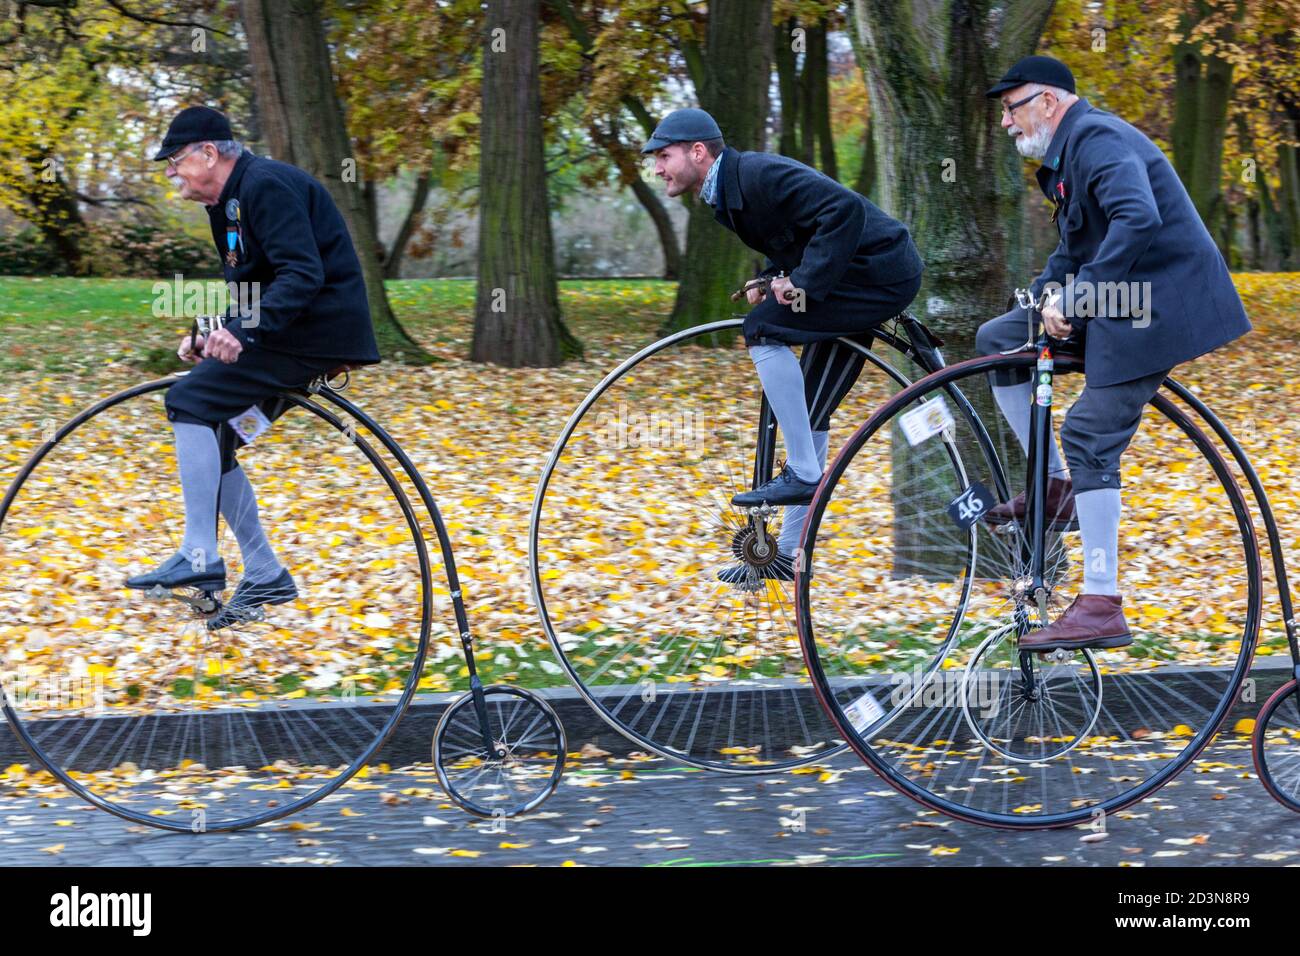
(132, 699)
(632, 524)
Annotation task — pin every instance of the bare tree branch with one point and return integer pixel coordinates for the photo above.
(142, 18)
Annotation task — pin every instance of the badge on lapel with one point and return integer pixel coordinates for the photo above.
(234, 233)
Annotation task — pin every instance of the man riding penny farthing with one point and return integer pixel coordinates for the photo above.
(199, 708)
(663, 539)
(1069, 706)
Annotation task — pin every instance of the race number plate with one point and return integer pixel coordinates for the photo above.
(249, 424)
(864, 712)
(970, 505)
(926, 421)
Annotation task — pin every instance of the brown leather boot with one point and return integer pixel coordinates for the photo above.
(1060, 506)
(1093, 620)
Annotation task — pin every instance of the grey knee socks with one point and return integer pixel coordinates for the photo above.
(199, 461)
(1098, 513)
(782, 379)
(792, 521)
(1014, 400)
(239, 508)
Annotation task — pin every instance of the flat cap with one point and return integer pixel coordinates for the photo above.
(1034, 69)
(194, 124)
(682, 126)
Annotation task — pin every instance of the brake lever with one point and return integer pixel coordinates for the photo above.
(762, 282)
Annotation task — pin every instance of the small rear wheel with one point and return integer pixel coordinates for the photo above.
(1028, 706)
(1276, 746)
(499, 752)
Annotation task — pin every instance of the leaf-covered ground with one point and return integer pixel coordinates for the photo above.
(480, 434)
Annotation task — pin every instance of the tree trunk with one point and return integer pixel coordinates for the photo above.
(820, 81)
(649, 199)
(1288, 196)
(735, 78)
(393, 261)
(627, 166)
(302, 120)
(516, 310)
(808, 100)
(629, 172)
(56, 213)
(1202, 91)
(866, 184)
(787, 77)
(954, 179)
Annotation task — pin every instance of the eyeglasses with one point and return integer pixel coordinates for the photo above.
(174, 160)
(1008, 109)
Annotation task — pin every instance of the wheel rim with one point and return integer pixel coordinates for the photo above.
(526, 762)
(172, 725)
(1156, 715)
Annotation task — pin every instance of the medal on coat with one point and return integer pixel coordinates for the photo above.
(234, 233)
(1058, 203)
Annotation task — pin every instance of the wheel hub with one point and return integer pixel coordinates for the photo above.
(755, 550)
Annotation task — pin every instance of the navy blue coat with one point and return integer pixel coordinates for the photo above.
(825, 237)
(1124, 217)
(295, 244)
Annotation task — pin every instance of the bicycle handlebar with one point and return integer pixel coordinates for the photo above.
(762, 282)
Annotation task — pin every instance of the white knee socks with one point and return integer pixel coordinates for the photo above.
(792, 521)
(782, 379)
(1098, 513)
(199, 461)
(239, 508)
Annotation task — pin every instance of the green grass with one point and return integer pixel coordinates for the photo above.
(71, 326)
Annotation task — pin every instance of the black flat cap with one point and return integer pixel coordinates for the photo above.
(194, 124)
(683, 126)
(1034, 69)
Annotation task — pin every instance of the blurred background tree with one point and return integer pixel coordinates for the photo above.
(883, 96)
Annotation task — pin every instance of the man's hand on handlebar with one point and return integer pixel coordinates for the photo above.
(1054, 321)
(223, 346)
(209, 339)
(756, 290)
(1048, 305)
(191, 349)
(783, 289)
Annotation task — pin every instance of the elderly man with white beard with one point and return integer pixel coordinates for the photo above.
(1125, 221)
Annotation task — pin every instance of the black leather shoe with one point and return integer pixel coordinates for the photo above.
(787, 488)
(178, 572)
(248, 597)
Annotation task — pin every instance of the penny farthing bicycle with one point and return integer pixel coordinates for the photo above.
(132, 702)
(1017, 739)
(632, 521)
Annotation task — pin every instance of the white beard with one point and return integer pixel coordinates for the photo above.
(1034, 145)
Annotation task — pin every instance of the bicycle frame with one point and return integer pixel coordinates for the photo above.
(444, 543)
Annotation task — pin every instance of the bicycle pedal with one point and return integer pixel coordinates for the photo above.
(157, 593)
